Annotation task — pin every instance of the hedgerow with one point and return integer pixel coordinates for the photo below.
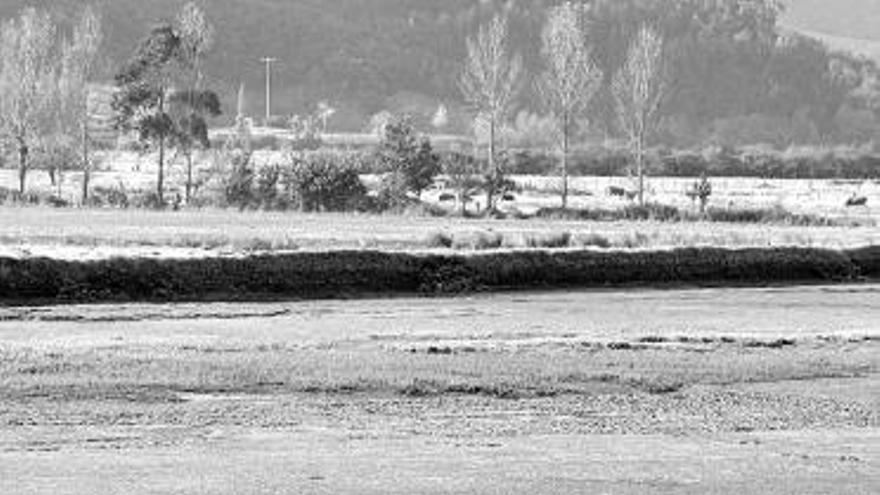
(359, 273)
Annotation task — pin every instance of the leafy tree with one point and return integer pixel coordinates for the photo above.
(570, 79)
(409, 159)
(145, 84)
(490, 82)
(148, 102)
(27, 77)
(638, 90)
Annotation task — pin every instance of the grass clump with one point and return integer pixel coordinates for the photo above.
(591, 240)
(477, 240)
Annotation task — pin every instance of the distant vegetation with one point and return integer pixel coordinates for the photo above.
(682, 88)
(732, 69)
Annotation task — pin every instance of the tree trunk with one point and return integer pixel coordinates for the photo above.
(493, 171)
(160, 183)
(640, 163)
(189, 176)
(565, 162)
(22, 164)
(87, 172)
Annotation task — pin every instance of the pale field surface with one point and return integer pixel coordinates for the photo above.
(721, 391)
(827, 198)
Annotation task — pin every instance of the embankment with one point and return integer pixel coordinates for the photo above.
(369, 273)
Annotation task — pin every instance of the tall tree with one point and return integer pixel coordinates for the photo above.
(638, 90)
(76, 70)
(197, 37)
(148, 102)
(144, 86)
(27, 71)
(570, 79)
(490, 82)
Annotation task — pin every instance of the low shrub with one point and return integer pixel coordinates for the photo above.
(553, 240)
(114, 197)
(326, 182)
(147, 201)
(653, 211)
(436, 240)
(591, 240)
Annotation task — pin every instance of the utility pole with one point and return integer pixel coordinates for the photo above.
(268, 61)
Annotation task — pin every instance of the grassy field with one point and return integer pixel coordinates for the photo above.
(772, 390)
(45, 230)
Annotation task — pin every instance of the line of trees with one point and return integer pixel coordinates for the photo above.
(492, 79)
(46, 82)
(44, 90)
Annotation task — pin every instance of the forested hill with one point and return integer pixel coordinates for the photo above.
(732, 73)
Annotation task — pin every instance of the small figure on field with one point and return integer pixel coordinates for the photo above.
(856, 200)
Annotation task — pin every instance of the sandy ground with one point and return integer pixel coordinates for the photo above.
(746, 391)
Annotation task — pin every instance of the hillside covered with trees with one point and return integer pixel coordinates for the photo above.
(735, 76)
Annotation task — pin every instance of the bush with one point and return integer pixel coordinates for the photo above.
(147, 201)
(326, 181)
(436, 240)
(408, 160)
(115, 197)
(652, 211)
(238, 188)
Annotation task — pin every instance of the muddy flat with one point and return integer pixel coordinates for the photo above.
(744, 391)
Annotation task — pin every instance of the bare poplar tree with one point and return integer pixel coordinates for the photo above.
(27, 71)
(197, 37)
(490, 82)
(638, 89)
(76, 70)
(570, 79)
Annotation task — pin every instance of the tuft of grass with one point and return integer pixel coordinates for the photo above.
(635, 240)
(591, 240)
(549, 240)
(477, 240)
